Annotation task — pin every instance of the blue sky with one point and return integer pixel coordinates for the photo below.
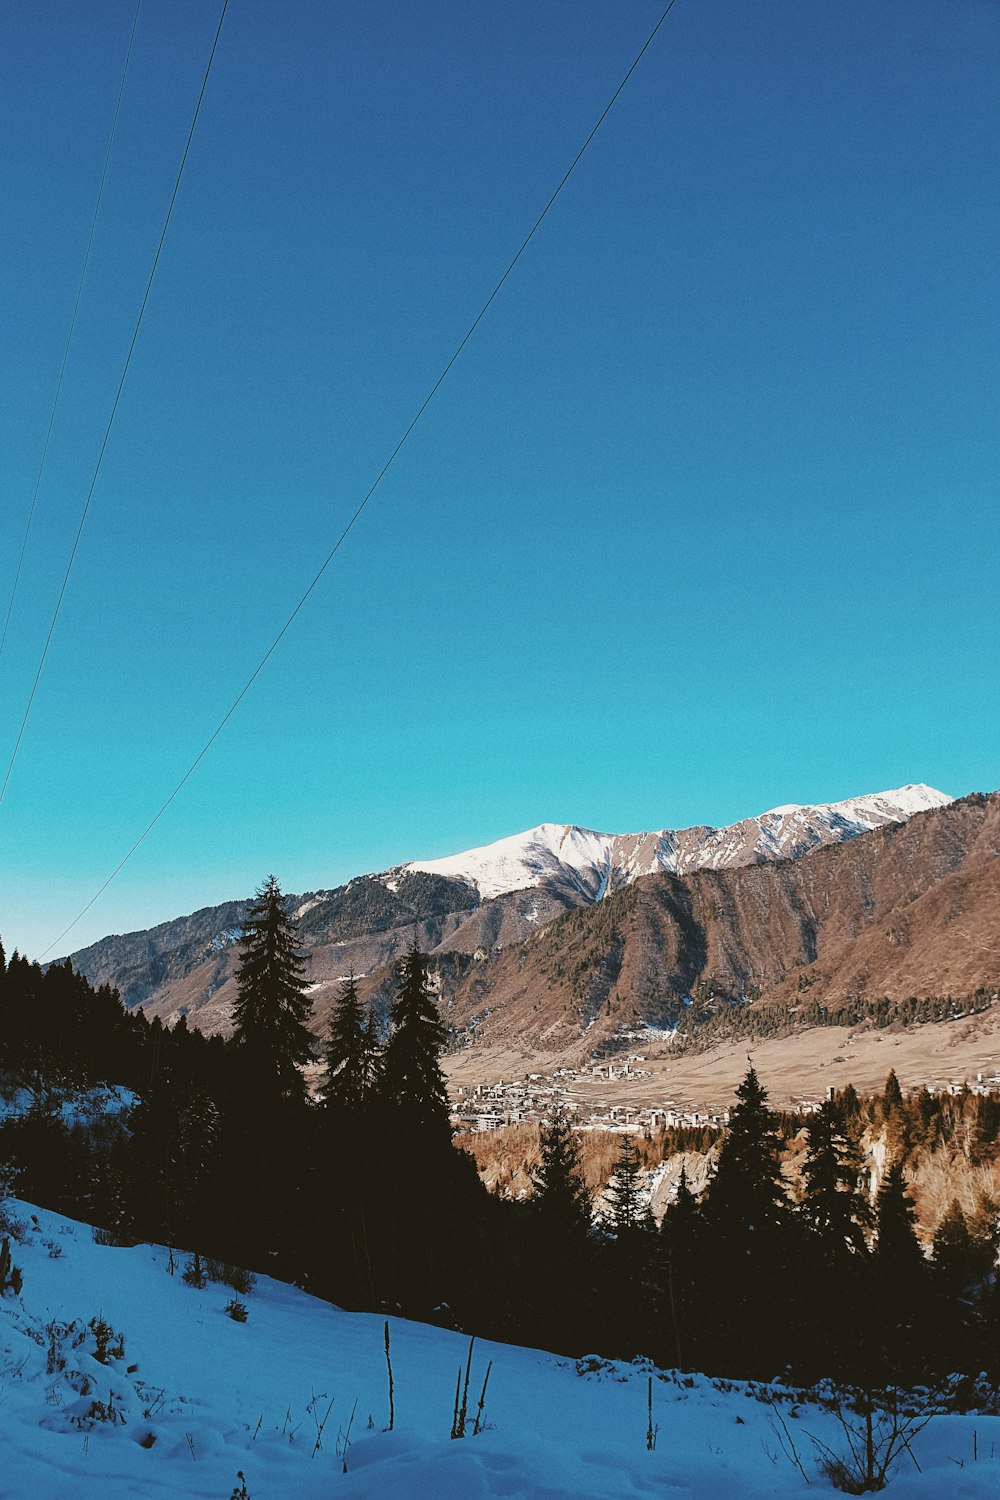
(704, 520)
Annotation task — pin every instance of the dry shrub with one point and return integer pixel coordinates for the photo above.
(225, 1274)
(942, 1176)
(875, 1437)
(506, 1158)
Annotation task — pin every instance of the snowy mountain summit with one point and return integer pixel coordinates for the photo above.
(593, 865)
(187, 966)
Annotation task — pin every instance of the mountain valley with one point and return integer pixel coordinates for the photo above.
(561, 945)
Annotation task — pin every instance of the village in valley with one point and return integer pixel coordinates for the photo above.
(587, 1096)
(580, 1093)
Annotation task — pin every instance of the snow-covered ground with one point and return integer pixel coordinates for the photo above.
(72, 1106)
(197, 1397)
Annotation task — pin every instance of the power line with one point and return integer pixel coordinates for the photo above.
(72, 330)
(374, 486)
(114, 409)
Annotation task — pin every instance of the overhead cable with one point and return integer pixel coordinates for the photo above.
(374, 486)
(69, 337)
(114, 409)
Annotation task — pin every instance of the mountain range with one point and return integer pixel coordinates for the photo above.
(906, 910)
(594, 865)
(565, 938)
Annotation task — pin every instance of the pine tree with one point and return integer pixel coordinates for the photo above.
(832, 1207)
(898, 1256)
(682, 1212)
(949, 1315)
(751, 1251)
(154, 1126)
(892, 1094)
(746, 1194)
(900, 1281)
(829, 1278)
(371, 1055)
(680, 1234)
(343, 1087)
(419, 1253)
(198, 1129)
(111, 1200)
(271, 1007)
(625, 1210)
(555, 1276)
(954, 1254)
(412, 1081)
(895, 1124)
(560, 1197)
(849, 1108)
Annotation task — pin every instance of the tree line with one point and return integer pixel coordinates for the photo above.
(711, 1016)
(359, 1194)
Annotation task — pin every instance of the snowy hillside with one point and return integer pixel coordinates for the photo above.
(190, 1398)
(594, 864)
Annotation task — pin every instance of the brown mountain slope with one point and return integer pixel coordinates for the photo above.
(907, 910)
(483, 898)
(946, 942)
(202, 985)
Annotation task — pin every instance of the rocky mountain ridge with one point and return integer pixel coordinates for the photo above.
(594, 865)
(467, 909)
(907, 910)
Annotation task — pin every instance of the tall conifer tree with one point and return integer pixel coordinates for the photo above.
(560, 1197)
(371, 1055)
(746, 1195)
(747, 1238)
(898, 1256)
(832, 1207)
(626, 1211)
(271, 1007)
(955, 1254)
(828, 1280)
(412, 1081)
(344, 1083)
(901, 1278)
(680, 1242)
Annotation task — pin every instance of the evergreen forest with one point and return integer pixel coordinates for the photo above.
(360, 1194)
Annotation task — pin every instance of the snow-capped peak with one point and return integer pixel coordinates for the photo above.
(594, 864)
(874, 809)
(526, 859)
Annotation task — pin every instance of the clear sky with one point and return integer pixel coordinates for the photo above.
(704, 520)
